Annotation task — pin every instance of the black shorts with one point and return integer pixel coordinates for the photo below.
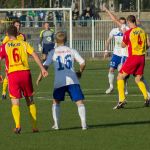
(47, 48)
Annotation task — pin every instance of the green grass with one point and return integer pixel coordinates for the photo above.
(124, 129)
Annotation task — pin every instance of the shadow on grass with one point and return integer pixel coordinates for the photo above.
(119, 124)
(135, 107)
(107, 125)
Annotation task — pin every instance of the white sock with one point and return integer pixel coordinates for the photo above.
(111, 77)
(56, 114)
(147, 86)
(82, 114)
(126, 85)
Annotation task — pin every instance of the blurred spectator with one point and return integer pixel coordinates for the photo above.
(41, 17)
(30, 18)
(58, 14)
(18, 14)
(11, 15)
(23, 19)
(75, 15)
(49, 17)
(97, 16)
(86, 15)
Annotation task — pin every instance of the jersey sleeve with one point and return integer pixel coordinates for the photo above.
(111, 34)
(2, 51)
(30, 49)
(49, 59)
(5, 40)
(126, 38)
(77, 57)
(41, 33)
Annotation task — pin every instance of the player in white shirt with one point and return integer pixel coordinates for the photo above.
(119, 54)
(66, 79)
(124, 28)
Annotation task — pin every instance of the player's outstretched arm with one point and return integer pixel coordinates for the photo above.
(112, 16)
(107, 47)
(37, 60)
(40, 76)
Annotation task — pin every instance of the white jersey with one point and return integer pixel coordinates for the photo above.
(124, 27)
(118, 36)
(63, 59)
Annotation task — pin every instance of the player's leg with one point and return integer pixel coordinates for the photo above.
(27, 90)
(142, 88)
(111, 80)
(126, 84)
(16, 114)
(123, 59)
(139, 74)
(121, 91)
(56, 114)
(82, 113)
(4, 89)
(33, 112)
(147, 86)
(58, 95)
(45, 52)
(15, 95)
(115, 61)
(77, 96)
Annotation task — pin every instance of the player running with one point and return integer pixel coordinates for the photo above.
(136, 41)
(15, 52)
(119, 54)
(20, 36)
(46, 40)
(66, 79)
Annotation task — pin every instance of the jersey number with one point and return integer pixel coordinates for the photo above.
(16, 56)
(67, 64)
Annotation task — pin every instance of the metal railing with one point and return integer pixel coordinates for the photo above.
(88, 37)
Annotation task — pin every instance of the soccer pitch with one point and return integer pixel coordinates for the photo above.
(109, 129)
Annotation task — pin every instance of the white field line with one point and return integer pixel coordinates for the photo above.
(87, 90)
(89, 100)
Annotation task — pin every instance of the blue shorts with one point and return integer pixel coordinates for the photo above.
(47, 48)
(116, 61)
(73, 90)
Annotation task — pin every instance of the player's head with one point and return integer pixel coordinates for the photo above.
(131, 20)
(122, 20)
(12, 31)
(17, 24)
(46, 25)
(60, 37)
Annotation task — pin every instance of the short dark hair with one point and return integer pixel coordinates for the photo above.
(18, 21)
(123, 18)
(12, 31)
(131, 18)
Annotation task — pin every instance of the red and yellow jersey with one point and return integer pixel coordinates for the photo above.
(20, 36)
(136, 40)
(15, 53)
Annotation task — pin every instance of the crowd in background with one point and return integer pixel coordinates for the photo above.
(36, 18)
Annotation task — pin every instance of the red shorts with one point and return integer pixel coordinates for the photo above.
(20, 83)
(134, 65)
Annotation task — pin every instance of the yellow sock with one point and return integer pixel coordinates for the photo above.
(32, 109)
(16, 115)
(5, 84)
(142, 87)
(120, 84)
